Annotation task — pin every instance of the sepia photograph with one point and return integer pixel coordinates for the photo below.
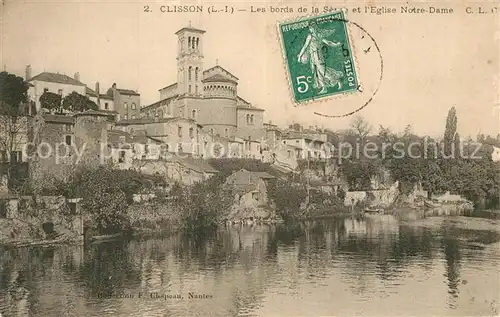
(277, 158)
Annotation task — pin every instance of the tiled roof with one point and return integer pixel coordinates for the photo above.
(108, 97)
(55, 118)
(197, 164)
(102, 113)
(218, 78)
(159, 103)
(188, 28)
(151, 120)
(221, 68)
(263, 175)
(171, 85)
(114, 137)
(56, 78)
(249, 107)
(128, 92)
(91, 92)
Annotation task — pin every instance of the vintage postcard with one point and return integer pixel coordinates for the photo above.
(276, 158)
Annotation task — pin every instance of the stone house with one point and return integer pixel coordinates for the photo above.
(61, 141)
(52, 82)
(126, 102)
(250, 188)
(184, 169)
(179, 135)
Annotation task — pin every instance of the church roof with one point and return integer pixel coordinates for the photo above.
(188, 28)
(56, 78)
(220, 68)
(141, 121)
(171, 85)
(218, 78)
(246, 105)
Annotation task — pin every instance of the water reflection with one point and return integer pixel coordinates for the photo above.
(372, 265)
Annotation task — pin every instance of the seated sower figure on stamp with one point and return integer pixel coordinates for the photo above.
(314, 52)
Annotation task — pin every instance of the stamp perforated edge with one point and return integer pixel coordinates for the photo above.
(354, 55)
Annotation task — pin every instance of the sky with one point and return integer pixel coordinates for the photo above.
(431, 62)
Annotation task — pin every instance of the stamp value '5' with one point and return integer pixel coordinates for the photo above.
(319, 57)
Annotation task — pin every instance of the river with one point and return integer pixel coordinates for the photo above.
(369, 266)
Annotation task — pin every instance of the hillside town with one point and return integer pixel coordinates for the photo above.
(199, 127)
(198, 117)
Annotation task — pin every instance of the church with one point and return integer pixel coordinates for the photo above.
(207, 96)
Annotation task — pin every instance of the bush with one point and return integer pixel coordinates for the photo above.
(203, 206)
(106, 193)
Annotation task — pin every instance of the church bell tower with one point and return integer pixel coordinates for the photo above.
(190, 62)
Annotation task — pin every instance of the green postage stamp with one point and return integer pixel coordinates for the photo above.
(319, 57)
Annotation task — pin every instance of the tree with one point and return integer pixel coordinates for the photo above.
(361, 127)
(450, 131)
(50, 101)
(13, 121)
(76, 103)
(13, 93)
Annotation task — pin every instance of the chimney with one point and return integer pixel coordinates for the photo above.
(97, 87)
(28, 72)
(270, 122)
(114, 86)
(77, 76)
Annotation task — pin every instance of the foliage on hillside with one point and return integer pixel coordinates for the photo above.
(438, 166)
(203, 206)
(106, 193)
(227, 166)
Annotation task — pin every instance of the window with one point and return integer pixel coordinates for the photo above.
(226, 133)
(122, 138)
(251, 119)
(133, 106)
(193, 114)
(68, 128)
(132, 116)
(125, 117)
(45, 90)
(125, 105)
(72, 208)
(121, 158)
(248, 119)
(169, 110)
(106, 106)
(190, 71)
(179, 131)
(156, 114)
(189, 89)
(196, 73)
(212, 131)
(191, 133)
(3, 209)
(68, 139)
(59, 92)
(16, 156)
(196, 89)
(160, 113)
(179, 148)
